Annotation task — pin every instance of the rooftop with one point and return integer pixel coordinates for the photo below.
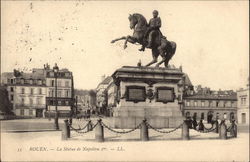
(206, 93)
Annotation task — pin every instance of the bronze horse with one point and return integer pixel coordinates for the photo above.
(161, 46)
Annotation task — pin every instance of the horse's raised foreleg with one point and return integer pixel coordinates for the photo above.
(130, 40)
(122, 38)
(127, 39)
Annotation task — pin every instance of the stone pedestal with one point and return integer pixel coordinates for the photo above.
(148, 93)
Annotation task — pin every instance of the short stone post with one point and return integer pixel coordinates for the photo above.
(219, 130)
(144, 131)
(65, 130)
(223, 131)
(185, 130)
(89, 126)
(233, 131)
(99, 134)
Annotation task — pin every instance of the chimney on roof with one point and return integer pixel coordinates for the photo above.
(199, 88)
(180, 68)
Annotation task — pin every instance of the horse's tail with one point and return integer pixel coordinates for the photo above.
(170, 52)
(173, 47)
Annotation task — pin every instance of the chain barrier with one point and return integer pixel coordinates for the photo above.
(206, 131)
(160, 131)
(82, 132)
(78, 129)
(121, 132)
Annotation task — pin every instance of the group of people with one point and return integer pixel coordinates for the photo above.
(193, 124)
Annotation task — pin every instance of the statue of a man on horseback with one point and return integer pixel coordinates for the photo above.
(150, 36)
(153, 31)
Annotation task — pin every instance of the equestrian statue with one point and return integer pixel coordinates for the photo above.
(150, 36)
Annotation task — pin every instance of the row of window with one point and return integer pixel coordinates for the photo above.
(59, 83)
(211, 116)
(31, 90)
(210, 103)
(22, 112)
(31, 101)
(243, 100)
(60, 93)
(26, 81)
(39, 82)
(59, 74)
(59, 103)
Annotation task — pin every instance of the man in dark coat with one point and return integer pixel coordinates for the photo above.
(154, 27)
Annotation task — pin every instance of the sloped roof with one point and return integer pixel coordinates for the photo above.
(7, 75)
(106, 80)
(232, 96)
(187, 80)
(32, 76)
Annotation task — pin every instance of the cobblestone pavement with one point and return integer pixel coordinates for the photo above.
(47, 145)
(48, 125)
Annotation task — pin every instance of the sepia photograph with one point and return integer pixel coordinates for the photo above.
(108, 80)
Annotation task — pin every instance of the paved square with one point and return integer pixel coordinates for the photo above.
(47, 145)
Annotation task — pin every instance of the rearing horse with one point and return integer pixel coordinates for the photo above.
(161, 46)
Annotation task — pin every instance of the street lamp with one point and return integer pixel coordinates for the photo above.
(56, 69)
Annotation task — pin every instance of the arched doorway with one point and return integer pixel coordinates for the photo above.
(194, 116)
(202, 116)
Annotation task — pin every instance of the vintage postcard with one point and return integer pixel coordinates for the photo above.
(124, 80)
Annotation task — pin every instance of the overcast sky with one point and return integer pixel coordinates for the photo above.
(212, 38)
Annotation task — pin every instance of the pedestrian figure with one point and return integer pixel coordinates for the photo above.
(194, 122)
(70, 117)
(201, 125)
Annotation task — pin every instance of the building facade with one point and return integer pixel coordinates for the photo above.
(27, 92)
(60, 82)
(33, 94)
(112, 97)
(243, 105)
(210, 105)
(83, 100)
(101, 94)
